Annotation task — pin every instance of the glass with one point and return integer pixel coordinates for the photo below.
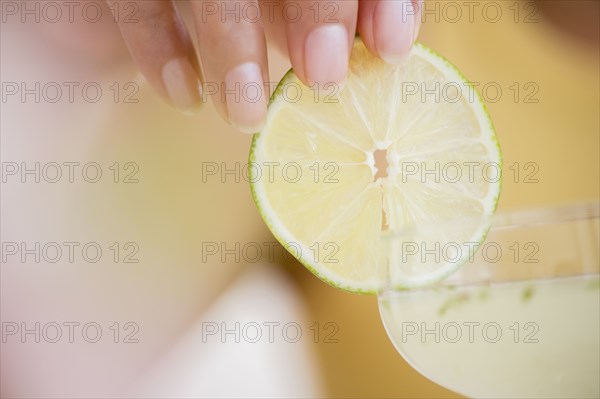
(520, 318)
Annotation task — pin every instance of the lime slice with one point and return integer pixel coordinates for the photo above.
(319, 182)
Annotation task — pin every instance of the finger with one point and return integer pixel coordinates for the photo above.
(233, 51)
(319, 37)
(161, 47)
(389, 27)
(98, 43)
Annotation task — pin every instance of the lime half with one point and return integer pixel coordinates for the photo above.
(398, 147)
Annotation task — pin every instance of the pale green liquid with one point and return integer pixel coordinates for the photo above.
(549, 344)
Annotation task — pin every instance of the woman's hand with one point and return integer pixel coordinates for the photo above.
(233, 53)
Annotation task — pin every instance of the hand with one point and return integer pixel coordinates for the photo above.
(233, 53)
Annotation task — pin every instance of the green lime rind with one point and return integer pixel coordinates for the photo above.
(288, 77)
(481, 102)
(372, 290)
(448, 272)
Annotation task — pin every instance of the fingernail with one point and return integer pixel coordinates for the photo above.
(394, 30)
(326, 55)
(246, 98)
(182, 84)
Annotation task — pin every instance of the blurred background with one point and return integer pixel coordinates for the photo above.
(145, 300)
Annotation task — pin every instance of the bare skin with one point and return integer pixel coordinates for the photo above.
(232, 51)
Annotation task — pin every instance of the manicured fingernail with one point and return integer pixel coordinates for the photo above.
(394, 30)
(246, 98)
(182, 84)
(326, 55)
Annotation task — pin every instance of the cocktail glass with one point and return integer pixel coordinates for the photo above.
(521, 318)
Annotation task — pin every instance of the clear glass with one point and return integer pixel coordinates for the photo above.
(521, 318)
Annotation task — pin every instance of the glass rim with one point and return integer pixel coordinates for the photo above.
(519, 217)
(545, 220)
